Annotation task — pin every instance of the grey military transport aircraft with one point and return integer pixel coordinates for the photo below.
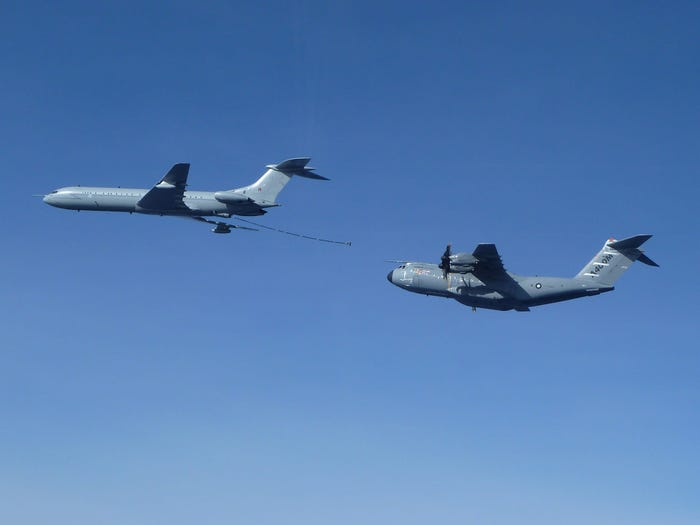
(479, 279)
(169, 197)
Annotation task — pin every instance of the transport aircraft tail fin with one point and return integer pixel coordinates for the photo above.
(614, 259)
(267, 187)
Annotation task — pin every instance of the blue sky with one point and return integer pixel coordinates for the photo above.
(152, 371)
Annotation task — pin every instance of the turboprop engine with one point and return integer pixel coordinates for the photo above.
(457, 263)
(462, 262)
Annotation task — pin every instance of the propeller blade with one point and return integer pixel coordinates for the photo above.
(445, 261)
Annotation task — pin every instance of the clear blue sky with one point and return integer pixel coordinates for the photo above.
(151, 371)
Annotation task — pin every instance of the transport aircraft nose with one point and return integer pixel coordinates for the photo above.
(390, 276)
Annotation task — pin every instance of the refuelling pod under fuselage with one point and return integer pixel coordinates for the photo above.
(222, 228)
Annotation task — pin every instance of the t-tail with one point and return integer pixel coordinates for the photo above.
(264, 191)
(614, 259)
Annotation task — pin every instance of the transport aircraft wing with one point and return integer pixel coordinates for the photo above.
(168, 193)
(488, 265)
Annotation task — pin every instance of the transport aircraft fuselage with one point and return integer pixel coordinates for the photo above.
(479, 279)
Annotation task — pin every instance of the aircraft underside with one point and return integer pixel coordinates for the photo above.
(503, 303)
(490, 304)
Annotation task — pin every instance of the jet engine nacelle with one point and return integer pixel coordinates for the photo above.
(462, 262)
(230, 197)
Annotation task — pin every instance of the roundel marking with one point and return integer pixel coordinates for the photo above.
(538, 285)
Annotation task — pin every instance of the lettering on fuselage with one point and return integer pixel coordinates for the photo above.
(603, 263)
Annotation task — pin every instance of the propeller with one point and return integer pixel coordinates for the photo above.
(445, 261)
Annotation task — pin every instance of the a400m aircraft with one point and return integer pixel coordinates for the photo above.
(169, 197)
(479, 279)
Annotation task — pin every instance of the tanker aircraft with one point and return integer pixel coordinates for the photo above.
(169, 197)
(479, 279)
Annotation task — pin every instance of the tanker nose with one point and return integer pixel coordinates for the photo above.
(390, 277)
(49, 198)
